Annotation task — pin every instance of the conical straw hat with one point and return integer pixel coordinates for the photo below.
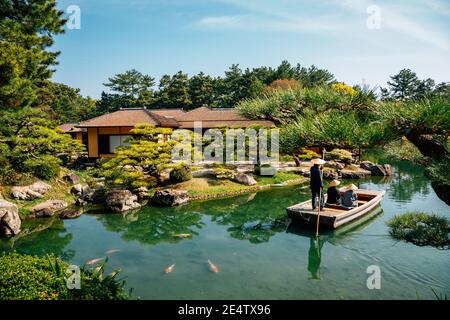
(317, 161)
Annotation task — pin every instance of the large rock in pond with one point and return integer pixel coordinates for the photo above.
(121, 201)
(31, 192)
(335, 165)
(170, 197)
(377, 169)
(49, 208)
(354, 174)
(70, 214)
(244, 179)
(9, 219)
(142, 193)
(330, 174)
(71, 178)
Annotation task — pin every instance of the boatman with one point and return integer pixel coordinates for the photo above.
(316, 182)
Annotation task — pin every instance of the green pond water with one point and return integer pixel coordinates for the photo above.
(259, 254)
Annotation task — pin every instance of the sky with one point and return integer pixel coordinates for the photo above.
(360, 42)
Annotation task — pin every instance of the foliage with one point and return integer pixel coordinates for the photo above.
(25, 58)
(405, 85)
(342, 88)
(224, 173)
(133, 89)
(130, 89)
(439, 171)
(25, 277)
(282, 84)
(428, 116)
(63, 103)
(285, 106)
(44, 167)
(201, 90)
(307, 154)
(174, 91)
(142, 162)
(421, 229)
(181, 173)
(402, 149)
(340, 155)
(30, 143)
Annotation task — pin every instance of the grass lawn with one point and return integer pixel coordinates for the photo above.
(60, 191)
(211, 186)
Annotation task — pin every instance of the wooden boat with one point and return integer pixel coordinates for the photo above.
(334, 216)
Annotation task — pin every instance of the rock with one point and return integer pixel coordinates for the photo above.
(71, 178)
(31, 192)
(9, 219)
(377, 169)
(170, 197)
(330, 174)
(96, 196)
(353, 167)
(64, 157)
(80, 202)
(304, 172)
(389, 170)
(121, 201)
(77, 190)
(70, 214)
(244, 179)
(49, 208)
(203, 173)
(142, 193)
(335, 165)
(366, 165)
(352, 174)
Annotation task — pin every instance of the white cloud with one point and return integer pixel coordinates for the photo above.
(395, 21)
(220, 21)
(299, 16)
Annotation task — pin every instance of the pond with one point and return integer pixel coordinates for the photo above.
(259, 254)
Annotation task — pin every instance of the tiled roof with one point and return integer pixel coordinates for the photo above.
(173, 113)
(225, 123)
(173, 118)
(129, 118)
(71, 128)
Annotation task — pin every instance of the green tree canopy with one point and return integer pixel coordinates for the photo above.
(27, 29)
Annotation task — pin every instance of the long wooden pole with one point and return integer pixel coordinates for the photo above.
(318, 213)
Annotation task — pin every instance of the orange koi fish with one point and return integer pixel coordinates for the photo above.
(183, 235)
(169, 269)
(213, 267)
(112, 251)
(94, 261)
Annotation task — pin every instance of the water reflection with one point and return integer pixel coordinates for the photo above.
(334, 237)
(251, 217)
(41, 237)
(154, 225)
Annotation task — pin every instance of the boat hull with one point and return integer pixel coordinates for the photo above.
(334, 217)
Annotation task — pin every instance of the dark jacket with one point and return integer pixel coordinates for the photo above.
(333, 195)
(316, 178)
(350, 199)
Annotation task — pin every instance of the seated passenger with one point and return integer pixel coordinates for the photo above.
(333, 196)
(350, 198)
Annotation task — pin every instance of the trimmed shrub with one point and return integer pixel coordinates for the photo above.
(421, 228)
(223, 173)
(339, 155)
(25, 277)
(181, 173)
(306, 154)
(44, 167)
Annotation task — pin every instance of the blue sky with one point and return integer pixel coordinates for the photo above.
(164, 36)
